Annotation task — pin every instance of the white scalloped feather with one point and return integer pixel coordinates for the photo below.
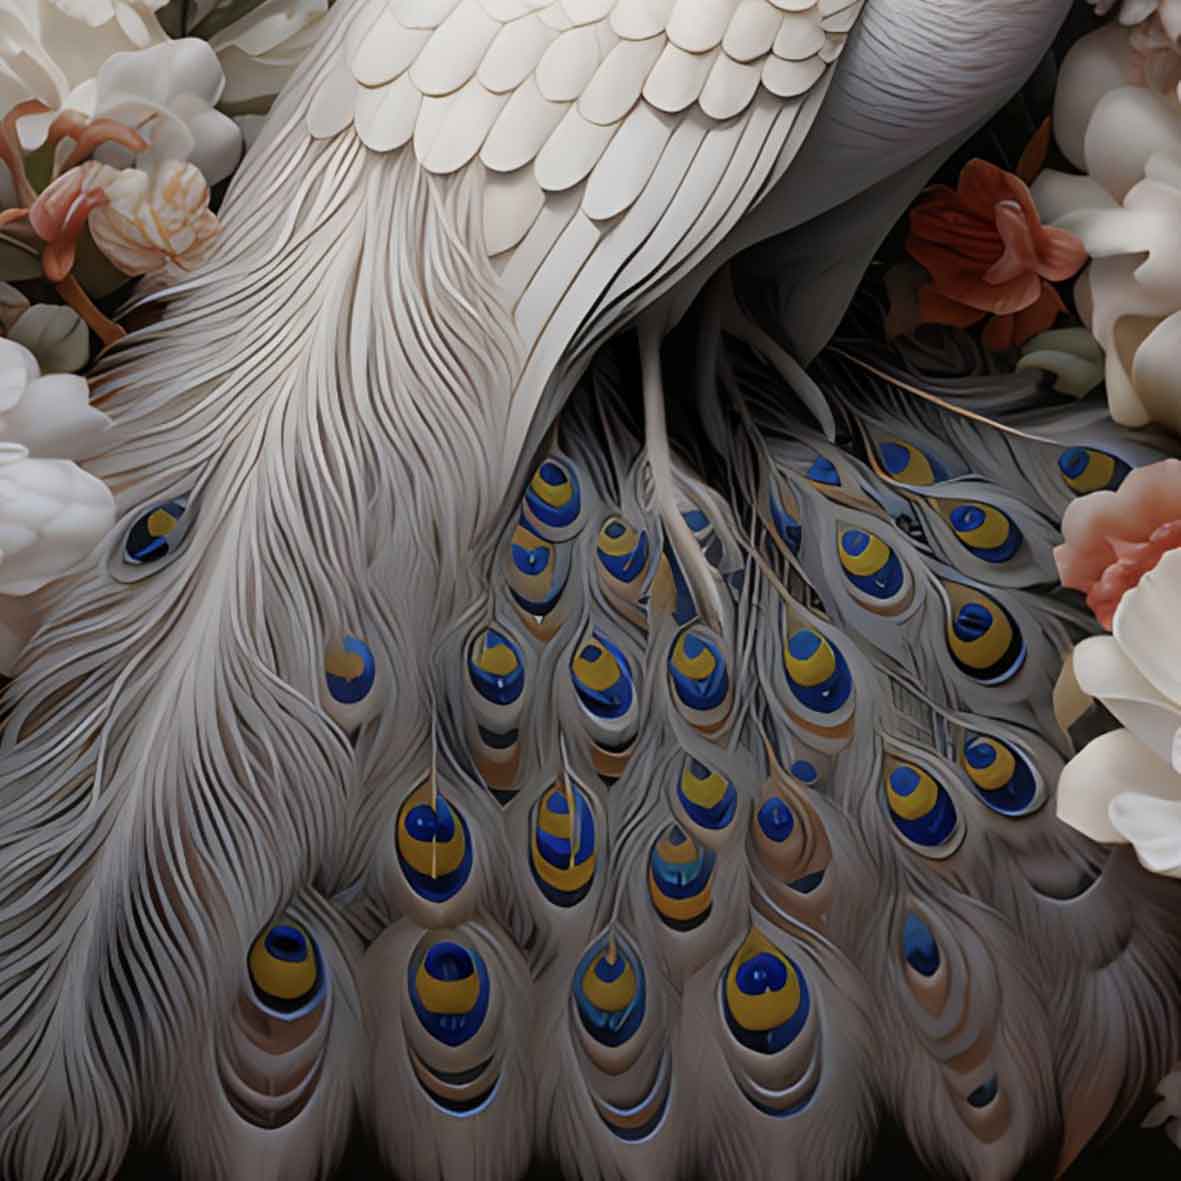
(621, 140)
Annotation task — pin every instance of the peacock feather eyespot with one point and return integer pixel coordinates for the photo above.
(765, 996)
(920, 951)
(985, 1094)
(984, 639)
(817, 672)
(984, 531)
(1003, 777)
(922, 811)
(1086, 469)
(496, 667)
(553, 501)
(434, 845)
(286, 972)
(603, 678)
(538, 570)
(562, 847)
(157, 533)
(873, 569)
(909, 464)
(708, 798)
(609, 992)
(349, 671)
(700, 679)
(622, 551)
(823, 471)
(804, 771)
(775, 819)
(785, 513)
(449, 990)
(680, 879)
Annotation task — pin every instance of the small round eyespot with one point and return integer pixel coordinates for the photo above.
(680, 876)
(708, 798)
(562, 851)
(623, 553)
(1085, 469)
(985, 531)
(873, 569)
(817, 673)
(349, 671)
(433, 844)
(537, 571)
(765, 996)
(984, 640)
(609, 992)
(785, 512)
(449, 990)
(776, 820)
(1004, 779)
(157, 533)
(285, 970)
(602, 678)
(824, 471)
(553, 501)
(984, 1094)
(922, 811)
(919, 948)
(909, 465)
(804, 771)
(496, 667)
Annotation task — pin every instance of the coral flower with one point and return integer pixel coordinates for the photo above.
(988, 254)
(1112, 539)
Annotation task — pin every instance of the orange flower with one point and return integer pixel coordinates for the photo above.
(987, 252)
(1112, 539)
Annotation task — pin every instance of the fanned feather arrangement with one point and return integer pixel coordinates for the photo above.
(384, 766)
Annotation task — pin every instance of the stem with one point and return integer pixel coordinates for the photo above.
(106, 330)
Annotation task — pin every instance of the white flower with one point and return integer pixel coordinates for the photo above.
(56, 335)
(1167, 1110)
(52, 513)
(156, 221)
(1125, 209)
(52, 50)
(259, 51)
(1125, 786)
(1072, 355)
(168, 93)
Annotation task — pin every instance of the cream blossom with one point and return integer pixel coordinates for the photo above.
(1126, 138)
(1123, 549)
(157, 221)
(52, 513)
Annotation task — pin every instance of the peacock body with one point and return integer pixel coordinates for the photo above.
(431, 742)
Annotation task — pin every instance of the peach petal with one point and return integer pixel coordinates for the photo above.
(1020, 254)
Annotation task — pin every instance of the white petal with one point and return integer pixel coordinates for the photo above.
(1145, 625)
(1095, 64)
(1105, 769)
(54, 420)
(1153, 827)
(1105, 671)
(57, 336)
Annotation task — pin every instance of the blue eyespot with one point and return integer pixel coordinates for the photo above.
(603, 678)
(1003, 778)
(909, 465)
(985, 531)
(285, 970)
(349, 671)
(871, 565)
(698, 670)
(609, 992)
(433, 844)
(817, 673)
(919, 948)
(984, 640)
(776, 820)
(984, 1094)
(1085, 469)
(787, 523)
(709, 798)
(622, 551)
(823, 471)
(155, 535)
(553, 500)
(765, 996)
(922, 811)
(496, 667)
(562, 852)
(450, 991)
(680, 874)
(804, 771)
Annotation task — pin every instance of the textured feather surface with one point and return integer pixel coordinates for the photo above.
(614, 124)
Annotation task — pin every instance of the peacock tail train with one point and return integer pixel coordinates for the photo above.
(367, 773)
